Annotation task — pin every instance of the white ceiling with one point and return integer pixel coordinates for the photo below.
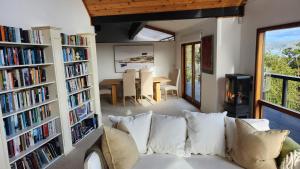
(176, 25)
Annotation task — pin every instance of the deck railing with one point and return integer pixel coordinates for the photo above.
(284, 105)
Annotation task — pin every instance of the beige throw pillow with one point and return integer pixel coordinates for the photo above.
(257, 149)
(119, 149)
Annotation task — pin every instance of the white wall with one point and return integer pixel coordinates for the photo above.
(228, 53)
(70, 15)
(262, 13)
(164, 59)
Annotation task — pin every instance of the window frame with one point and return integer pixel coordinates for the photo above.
(258, 102)
(191, 99)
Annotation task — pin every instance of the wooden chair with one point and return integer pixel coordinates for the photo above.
(129, 88)
(171, 87)
(146, 84)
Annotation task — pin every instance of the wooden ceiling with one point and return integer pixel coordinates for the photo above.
(125, 7)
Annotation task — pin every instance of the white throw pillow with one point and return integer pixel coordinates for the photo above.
(206, 133)
(138, 126)
(168, 135)
(92, 161)
(258, 124)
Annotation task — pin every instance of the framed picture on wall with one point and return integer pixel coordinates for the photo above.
(207, 62)
(133, 57)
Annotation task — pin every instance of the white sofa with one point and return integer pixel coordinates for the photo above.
(171, 161)
(166, 161)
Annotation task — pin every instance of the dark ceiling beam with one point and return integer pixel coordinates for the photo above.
(174, 15)
(134, 29)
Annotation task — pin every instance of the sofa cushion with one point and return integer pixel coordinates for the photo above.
(138, 126)
(258, 124)
(167, 161)
(289, 145)
(119, 149)
(206, 133)
(257, 149)
(168, 135)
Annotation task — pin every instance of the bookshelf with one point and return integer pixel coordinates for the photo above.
(83, 112)
(30, 118)
(34, 97)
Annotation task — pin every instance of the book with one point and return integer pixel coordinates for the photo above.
(26, 119)
(73, 39)
(77, 84)
(76, 69)
(78, 98)
(79, 113)
(85, 127)
(75, 54)
(40, 157)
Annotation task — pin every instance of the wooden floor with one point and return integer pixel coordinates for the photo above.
(283, 121)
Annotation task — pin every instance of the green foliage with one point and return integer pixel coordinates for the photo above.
(286, 66)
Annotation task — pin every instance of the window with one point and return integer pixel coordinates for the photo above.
(149, 33)
(277, 83)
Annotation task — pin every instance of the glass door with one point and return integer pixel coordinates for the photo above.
(192, 73)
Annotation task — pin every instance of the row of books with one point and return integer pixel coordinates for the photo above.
(76, 69)
(10, 79)
(85, 127)
(15, 101)
(79, 98)
(10, 56)
(79, 113)
(77, 84)
(29, 139)
(74, 54)
(25, 119)
(13, 34)
(73, 39)
(39, 158)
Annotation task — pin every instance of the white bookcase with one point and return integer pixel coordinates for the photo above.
(58, 96)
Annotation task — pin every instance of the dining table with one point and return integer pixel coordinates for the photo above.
(113, 84)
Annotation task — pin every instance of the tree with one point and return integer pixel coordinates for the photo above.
(282, 65)
(293, 54)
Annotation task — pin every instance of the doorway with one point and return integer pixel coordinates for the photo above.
(191, 56)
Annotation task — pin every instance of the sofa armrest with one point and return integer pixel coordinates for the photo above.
(291, 160)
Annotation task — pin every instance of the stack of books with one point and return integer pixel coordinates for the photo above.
(79, 113)
(75, 54)
(18, 35)
(76, 69)
(39, 158)
(17, 56)
(73, 40)
(77, 84)
(82, 129)
(10, 79)
(23, 120)
(29, 139)
(11, 102)
(79, 98)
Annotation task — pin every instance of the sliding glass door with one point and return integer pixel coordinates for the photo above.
(191, 72)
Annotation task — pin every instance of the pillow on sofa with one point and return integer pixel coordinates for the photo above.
(206, 133)
(257, 149)
(119, 149)
(138, 126)
(230, 128)
(168, 135)
(289, 145)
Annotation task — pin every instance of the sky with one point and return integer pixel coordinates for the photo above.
(278, 40)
